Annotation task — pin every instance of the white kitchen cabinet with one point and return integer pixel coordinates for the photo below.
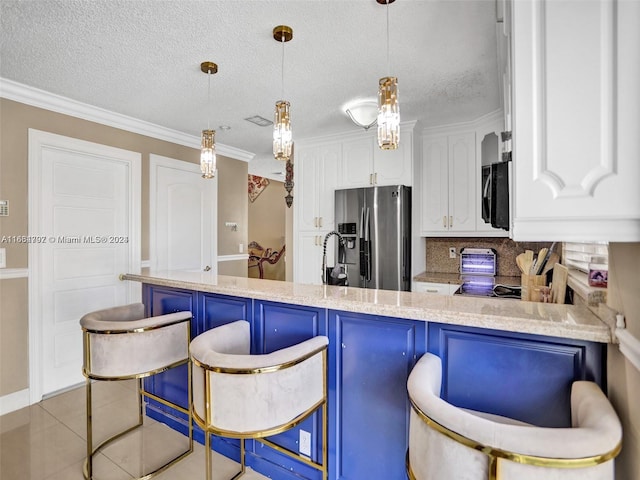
(448, 185)
(432, 287)
(363, 164)
(576, 148)
(308, 257)
(315, 178)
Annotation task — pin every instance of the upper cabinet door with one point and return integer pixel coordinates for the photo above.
(462, 183)
(395, 167)
(327, 177)
(576, 78)
(356, 167)
(434, 212)
(306, 188)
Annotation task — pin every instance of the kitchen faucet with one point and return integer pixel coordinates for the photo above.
(341, 254)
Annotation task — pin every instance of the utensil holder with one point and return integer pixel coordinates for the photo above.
(529, 282)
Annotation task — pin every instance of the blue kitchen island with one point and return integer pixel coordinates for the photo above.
(505, 357)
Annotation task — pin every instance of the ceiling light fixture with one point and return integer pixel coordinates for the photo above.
(364, 113)
(282, 138)
(208, 145)
(388, 107)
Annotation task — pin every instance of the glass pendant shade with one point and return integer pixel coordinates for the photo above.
(388, 114)
(208, 154)
(282, 138)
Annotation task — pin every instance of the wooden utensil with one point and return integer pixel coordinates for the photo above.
(541, 260)
(553, 259)
(527, 262)
(559, 283)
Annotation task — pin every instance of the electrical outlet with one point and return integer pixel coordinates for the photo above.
(241, 247)
(305, 443)
(452, 252)
(3, 258)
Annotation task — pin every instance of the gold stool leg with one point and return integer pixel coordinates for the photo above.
(89, 459)
(207, 453)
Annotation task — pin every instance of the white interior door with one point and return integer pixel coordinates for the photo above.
(84, 224)
(182, 216)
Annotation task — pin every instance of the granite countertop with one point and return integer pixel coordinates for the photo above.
(456, 278)
(567, 321)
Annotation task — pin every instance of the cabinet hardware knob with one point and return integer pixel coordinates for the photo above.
(320, 222)
(450, 221)
(444, 221)
(375, 178)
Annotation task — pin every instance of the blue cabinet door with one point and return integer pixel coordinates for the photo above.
(369, 409)
(216, 310)
(278, 326)
(526, 377)
(172, 384)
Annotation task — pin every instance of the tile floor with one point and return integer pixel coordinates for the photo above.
(46, 441)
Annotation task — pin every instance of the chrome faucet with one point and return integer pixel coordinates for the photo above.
(341, 254)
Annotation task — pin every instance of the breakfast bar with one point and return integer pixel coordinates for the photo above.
(505, 357)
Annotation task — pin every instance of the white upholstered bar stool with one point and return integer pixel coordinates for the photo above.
(121, 344)
(449, 442)
(239, 395)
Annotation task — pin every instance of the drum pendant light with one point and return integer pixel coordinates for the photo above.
(208, 145)
(388, 106)
(282, 138)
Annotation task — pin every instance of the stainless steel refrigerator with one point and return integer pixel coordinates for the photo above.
(375, 224)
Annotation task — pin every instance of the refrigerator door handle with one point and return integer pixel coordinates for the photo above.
(363, 259)
(366, 226)
(367, 243)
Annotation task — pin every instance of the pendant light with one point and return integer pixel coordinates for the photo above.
(208, 145)
(282, 138)
(388, 107)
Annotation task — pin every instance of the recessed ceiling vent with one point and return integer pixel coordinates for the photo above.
(260, 121)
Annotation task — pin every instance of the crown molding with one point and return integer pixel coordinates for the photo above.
(35, 97)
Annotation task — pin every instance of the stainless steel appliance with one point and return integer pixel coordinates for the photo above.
(375, 224)
(477, 271)
(495, 194)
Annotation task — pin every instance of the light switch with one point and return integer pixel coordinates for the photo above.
(3, 258)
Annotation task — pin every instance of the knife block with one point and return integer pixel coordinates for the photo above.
(528, 283)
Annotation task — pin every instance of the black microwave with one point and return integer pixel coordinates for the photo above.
(495, 195)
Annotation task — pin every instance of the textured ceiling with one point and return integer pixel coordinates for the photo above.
(142, 58)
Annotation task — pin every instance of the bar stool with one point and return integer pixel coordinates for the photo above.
(121, 344)
(239, 395)
(450, 442)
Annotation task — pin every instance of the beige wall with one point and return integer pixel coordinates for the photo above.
(232, 207)
(15, 120)
(267, 226)
(14, 369)
(623, 379)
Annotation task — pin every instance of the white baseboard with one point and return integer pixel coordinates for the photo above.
(14, 401)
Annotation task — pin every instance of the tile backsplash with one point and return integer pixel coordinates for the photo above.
(438, 261)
